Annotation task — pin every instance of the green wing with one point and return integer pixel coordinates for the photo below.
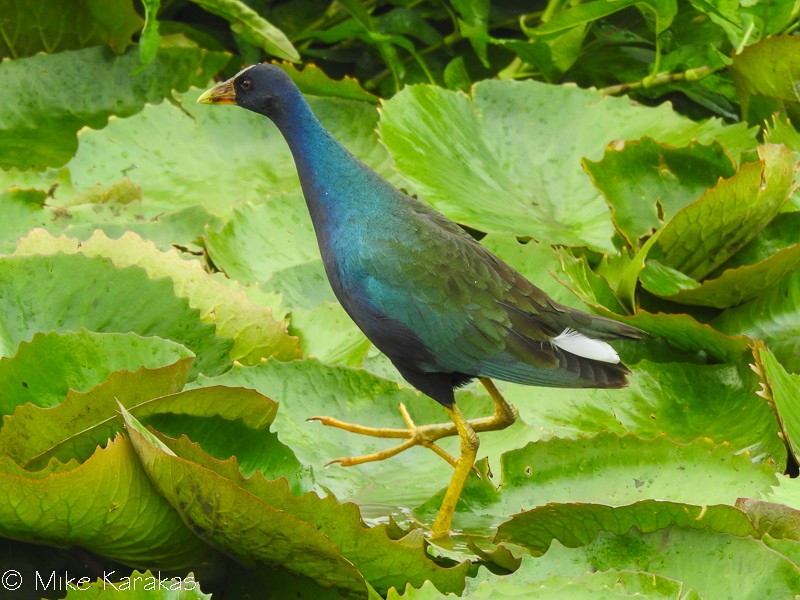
(475, 313)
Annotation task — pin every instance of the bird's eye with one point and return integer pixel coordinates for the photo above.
(246, 84)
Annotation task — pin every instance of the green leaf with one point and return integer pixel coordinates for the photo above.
(22, 210)
(105, 505)
(251, 530)
(328, 334)
(682, 555)
(66, 25)
(704, 234)
(504, 161)
(609, 584)
(682, 400)
(254, 331)
(645, 183)
(113, 208)
(150, 39)
(775, 520)
(664, 12)
(198, 139)
(314, 82)
(76, 361)
(73, 428)
(280, 229)
(333, 539)
(41, 134)
(680, 331)
(764, 91)
(228, 422)
(253, 28)
(781, 233)
(734, 286)
(782, 389)
(474, 25)
(619, 470)
(69, 292)
(772, 317)
(576, 525)
(665, 281)
(176, 229)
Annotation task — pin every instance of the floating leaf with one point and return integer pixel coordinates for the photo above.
(255, 333)
(704, 234)
(681, 555)
(69, 292)
(106, 505)
(783, 390)
(42, 133)
(733, 286)
(575, 525)
(774, 317)
(67, 25)
(44, 369)
(682, 400)
(645, 183)
(500, 161)
(280, 229)
(75, 427)
(619, 470)
(608, 584)
(198, 141)
(22, 210)
(334, 540)
(328, 334)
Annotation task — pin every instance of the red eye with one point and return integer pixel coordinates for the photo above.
(246, 85)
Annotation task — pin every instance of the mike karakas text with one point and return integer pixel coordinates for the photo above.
(55, 581)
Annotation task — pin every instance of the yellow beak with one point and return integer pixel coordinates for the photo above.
(224, 93)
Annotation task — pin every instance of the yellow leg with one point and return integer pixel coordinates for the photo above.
(424, 435)
(469, 450)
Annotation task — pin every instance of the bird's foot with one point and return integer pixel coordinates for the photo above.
(413, 435)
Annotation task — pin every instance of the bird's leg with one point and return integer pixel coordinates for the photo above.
(424, 435)
(469, 450)
(504, 413)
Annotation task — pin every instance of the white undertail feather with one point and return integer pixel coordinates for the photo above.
(576, 343)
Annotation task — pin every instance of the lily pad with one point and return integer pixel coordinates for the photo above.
(69, 292)
(42, 134)
(645, 183)
(705, 233)
(119, 515)
(501, 160)
(255, 333)
(51, 364)
(313, 536)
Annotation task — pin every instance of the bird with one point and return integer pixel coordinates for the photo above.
(425, 292)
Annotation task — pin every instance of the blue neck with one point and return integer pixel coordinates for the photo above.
(334, 181)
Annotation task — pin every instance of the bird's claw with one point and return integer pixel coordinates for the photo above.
(413, 435)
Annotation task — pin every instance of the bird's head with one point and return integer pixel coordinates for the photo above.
(260, 88)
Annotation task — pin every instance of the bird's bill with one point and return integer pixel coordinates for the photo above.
(224, 93)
